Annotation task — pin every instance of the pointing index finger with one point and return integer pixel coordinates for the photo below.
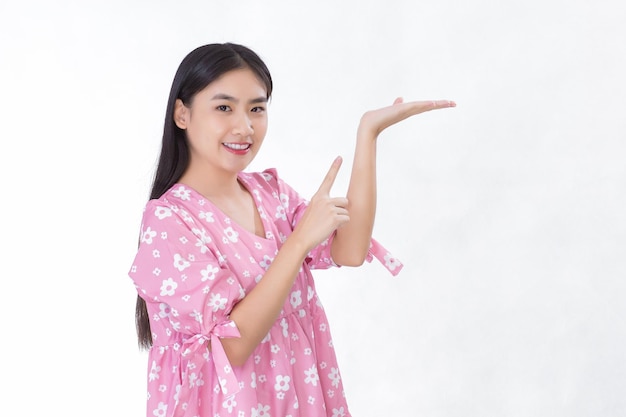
(329, 179)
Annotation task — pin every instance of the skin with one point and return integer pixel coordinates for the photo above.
(232, 110)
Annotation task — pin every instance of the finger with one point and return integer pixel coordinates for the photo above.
(398, 100)
(441, 104)
(329, 180)
(340, 211)
(416, 107)
(339, 202)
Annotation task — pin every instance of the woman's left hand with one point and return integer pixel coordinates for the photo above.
(375, 121)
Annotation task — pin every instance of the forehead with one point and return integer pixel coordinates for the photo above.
(240, 83)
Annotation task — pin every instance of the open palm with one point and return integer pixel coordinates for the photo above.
(375, 121)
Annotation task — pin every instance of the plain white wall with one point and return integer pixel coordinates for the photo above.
(507, 211)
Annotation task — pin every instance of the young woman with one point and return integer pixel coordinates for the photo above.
(226, 299)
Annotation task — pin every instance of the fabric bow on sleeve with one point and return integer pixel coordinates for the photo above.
(195, 351)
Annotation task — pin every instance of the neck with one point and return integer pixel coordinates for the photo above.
(212, 183)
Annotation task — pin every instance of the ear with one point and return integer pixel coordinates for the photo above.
(181, 114)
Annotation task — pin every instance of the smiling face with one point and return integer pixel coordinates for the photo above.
(225, 124)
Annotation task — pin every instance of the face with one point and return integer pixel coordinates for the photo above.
(225, 123)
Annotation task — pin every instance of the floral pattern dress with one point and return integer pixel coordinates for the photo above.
(192, 266)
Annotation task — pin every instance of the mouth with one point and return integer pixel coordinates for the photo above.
(237, 148)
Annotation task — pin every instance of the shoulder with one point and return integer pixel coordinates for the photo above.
(267, 180)
(173, 206)
(269, 176)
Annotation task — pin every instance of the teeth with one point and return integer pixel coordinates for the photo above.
(237, 146)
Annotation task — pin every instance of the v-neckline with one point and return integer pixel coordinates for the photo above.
(259, 209)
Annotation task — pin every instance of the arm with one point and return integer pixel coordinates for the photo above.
(352, 240)
(257, 312)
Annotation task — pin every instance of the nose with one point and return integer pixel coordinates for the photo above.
(243, 126)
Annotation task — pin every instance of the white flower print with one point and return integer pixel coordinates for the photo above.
(322, 327)
(262, 378)
(340, 412)
(311, 376)
(253, 382)
(162, 212)
(203, 240)
(323, 365)
(163, 235)
(207, 215)
(195, 379)
(311, 400)
(261, 411)
(330, 393)
(162, 388)
(266, 262)
(156, 272)
(231, 234)
(258, 245)
(268, 177)
(308, 351)
(284, 200)
(217, 302)
(334, 377)
(391, 262)
(275, 348)
(168, 287)
(148, 235)
(285, 326)
(180, 263)
(182, 193)
(196, 315)
(296, 298)
(164, 310)
(161, 410)
(282, 383)
(229, 404)
(154, 371)
(280, 213)
(209, 273)
(156, 253)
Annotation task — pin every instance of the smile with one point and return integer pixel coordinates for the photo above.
(237, 147)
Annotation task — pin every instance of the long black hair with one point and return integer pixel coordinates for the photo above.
(197, 70)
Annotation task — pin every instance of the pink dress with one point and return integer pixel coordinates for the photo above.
(192, 266)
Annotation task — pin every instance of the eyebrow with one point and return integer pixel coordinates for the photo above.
(221, 96)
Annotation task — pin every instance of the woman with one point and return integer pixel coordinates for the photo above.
(226, 299)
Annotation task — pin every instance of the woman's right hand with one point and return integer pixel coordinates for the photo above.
(324, 213)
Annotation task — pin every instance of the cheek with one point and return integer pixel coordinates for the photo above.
(260, 128)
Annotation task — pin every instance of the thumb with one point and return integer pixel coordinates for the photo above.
(329, 180)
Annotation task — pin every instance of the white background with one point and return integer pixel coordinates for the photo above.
(507, 211)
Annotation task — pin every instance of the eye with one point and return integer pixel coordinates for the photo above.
(258, 109)
(223, 107)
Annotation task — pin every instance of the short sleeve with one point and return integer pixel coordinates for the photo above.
(174, 266)
(320, 257)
